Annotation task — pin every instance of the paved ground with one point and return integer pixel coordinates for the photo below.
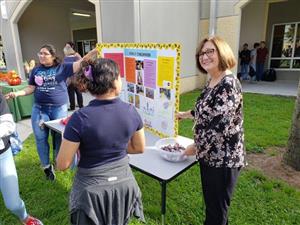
(286, 88)
(271, 88)
(24, 126)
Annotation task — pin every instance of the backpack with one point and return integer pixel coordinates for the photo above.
(252, 71)
(269, 75)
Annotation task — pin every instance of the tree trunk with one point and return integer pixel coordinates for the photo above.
(292, 155)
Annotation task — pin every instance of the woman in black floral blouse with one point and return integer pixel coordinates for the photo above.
(218, 128)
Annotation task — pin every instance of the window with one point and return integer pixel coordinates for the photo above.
(285, 53)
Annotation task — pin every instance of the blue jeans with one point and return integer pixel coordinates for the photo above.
(259, 71)
(9, 185)
(244, 71)
(41, 114)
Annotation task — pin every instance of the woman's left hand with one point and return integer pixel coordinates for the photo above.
(190, 150)
(90, 55)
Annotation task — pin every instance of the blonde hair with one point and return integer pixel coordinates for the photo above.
(68, 51)
(226, 57)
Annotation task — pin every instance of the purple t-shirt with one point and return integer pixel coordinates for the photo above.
(103, 129)
(50, 84)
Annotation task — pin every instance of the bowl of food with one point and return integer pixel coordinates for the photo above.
(170, 149)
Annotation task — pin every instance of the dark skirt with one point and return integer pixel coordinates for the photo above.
(107, 194)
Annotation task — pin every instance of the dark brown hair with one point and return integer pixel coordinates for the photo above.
(225, 54)
(103, 74)
(52, 51)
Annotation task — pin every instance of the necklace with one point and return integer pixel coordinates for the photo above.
(213, 82)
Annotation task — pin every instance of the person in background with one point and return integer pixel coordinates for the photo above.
(28, 67)
(218, 129)
(245, 60)
(71, 56)
(262, 53)
(9, 185)
(47, 82)
(104, 142)
(72, 45)
(252, 67)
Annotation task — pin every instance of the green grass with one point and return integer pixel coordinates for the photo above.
(267, 119)
(258, 200)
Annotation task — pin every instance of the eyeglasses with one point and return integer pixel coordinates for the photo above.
(39, 54)
(209, 53)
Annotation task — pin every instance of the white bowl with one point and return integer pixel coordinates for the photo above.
(170, 156)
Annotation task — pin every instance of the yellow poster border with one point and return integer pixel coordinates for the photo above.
(154, 46)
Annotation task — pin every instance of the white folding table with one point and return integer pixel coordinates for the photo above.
(150, 162)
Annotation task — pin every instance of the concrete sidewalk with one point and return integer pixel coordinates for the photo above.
(24, 126)
(285, 88)
(280, 87)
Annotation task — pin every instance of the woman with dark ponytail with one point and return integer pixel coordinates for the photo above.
(104, 189)
(48, 83)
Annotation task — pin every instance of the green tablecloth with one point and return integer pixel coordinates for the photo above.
(21, 106)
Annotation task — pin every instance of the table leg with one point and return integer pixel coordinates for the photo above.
(163, 201)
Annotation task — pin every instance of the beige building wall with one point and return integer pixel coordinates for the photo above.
(228, 28)
(199, 80)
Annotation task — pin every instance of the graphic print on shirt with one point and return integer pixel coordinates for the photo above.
(45, 80)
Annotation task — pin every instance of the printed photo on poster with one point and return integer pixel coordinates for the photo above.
(165, 93)
(137, 101)
(139, 64)
(140, 79)
(148, 108)
(131, 98)
(131, 87)
(150, 93)
(140, 89)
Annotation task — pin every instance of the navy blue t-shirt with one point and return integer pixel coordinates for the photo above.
(69, 59)
(103, 129)
(50, 83)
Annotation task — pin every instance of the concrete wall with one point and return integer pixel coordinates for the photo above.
(224, 8)
(7, 36)
(277, 15)
(204, 9)
(117, 21)
(253, 27)
(55, 27)
(176, 22)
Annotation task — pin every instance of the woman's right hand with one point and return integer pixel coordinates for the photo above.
(190, 150)
(10, 95)
(184, 115)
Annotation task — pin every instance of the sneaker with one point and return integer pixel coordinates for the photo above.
(32, 221)
(49, 172)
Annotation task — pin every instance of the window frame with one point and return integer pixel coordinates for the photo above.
(292, 58)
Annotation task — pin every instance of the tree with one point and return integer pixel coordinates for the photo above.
(292, 155)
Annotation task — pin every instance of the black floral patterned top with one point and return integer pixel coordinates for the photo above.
(218, 129)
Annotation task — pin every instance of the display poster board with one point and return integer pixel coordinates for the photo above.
(150, 75)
